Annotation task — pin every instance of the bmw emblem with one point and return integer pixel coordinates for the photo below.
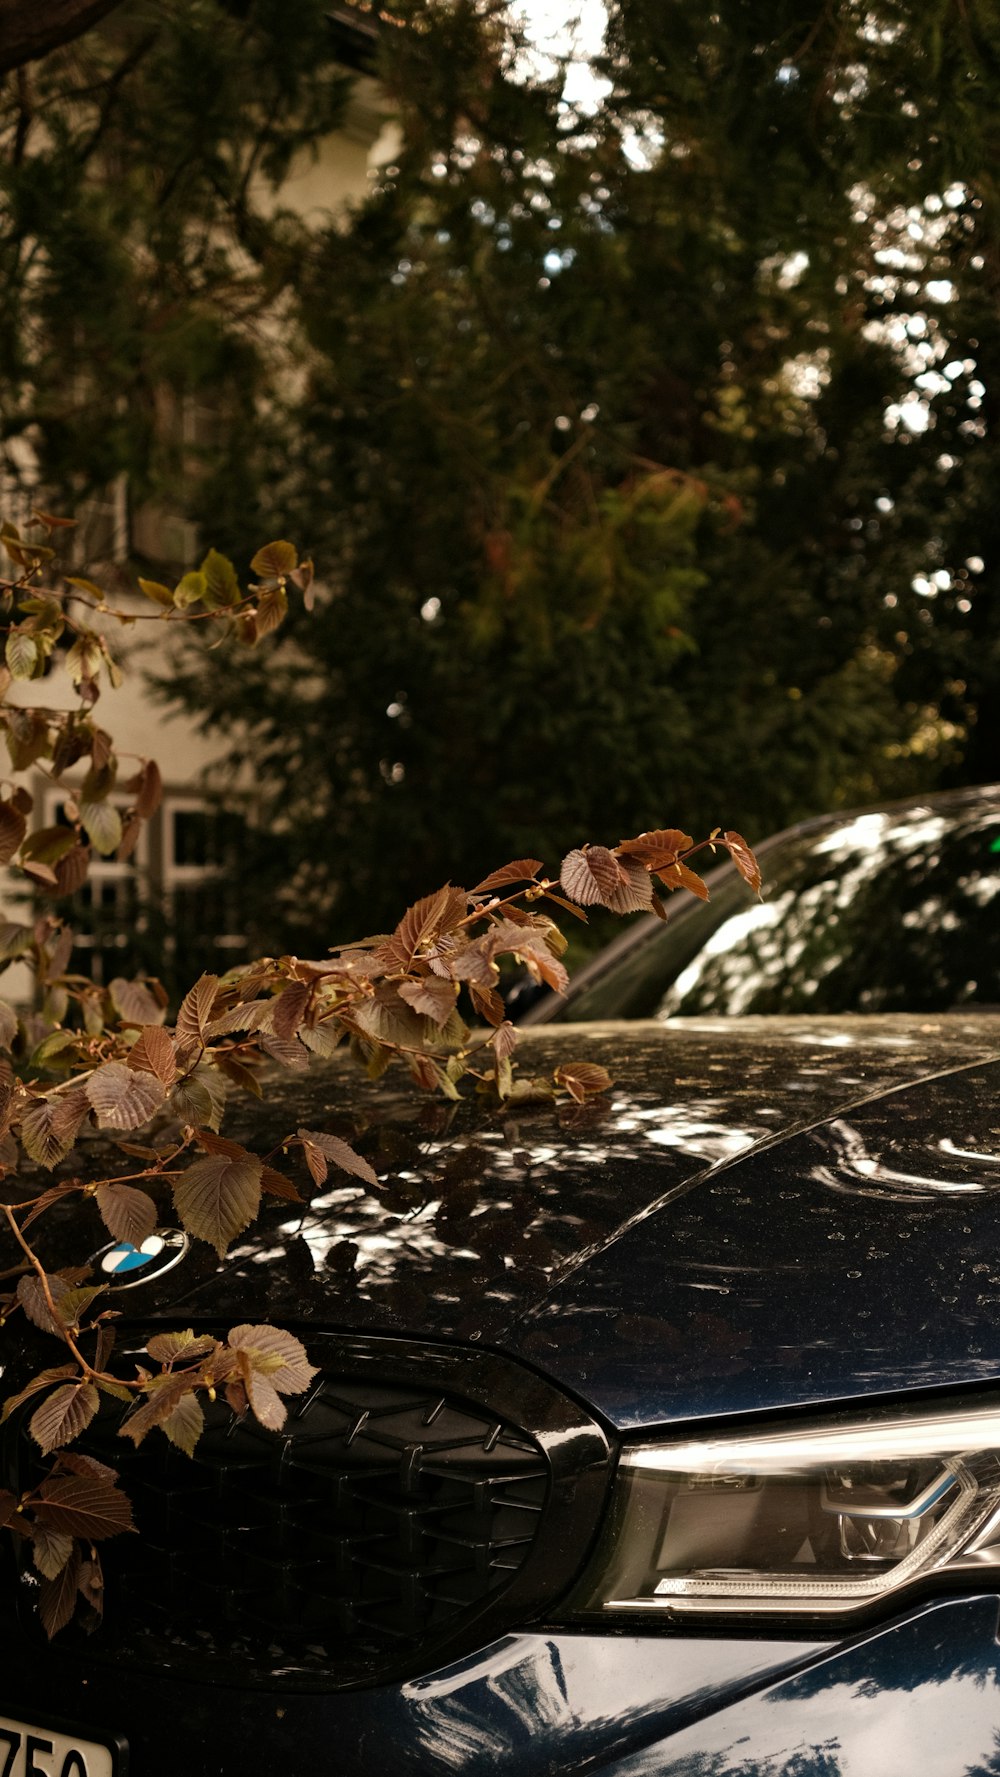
(124, 1265)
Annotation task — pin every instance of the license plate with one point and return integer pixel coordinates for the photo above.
(30, 1749)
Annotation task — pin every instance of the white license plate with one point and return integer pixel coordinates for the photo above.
(30, 1750)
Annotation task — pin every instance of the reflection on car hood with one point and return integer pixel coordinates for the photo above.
(722, 1232)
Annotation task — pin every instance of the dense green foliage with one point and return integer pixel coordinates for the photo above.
(595, 428)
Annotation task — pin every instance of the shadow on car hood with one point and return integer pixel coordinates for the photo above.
(625, 1247)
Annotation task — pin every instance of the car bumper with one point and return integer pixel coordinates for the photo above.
(921, 1694)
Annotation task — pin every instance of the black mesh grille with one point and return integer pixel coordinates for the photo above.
(379, 1519)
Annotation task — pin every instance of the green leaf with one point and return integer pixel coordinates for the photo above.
(14, 941)
(275, 559)
(22, 654)
(221, 584)
(155, 590)
(218, 1197)
(48, 844)
(103, 825)
(189, 590)
(83, 661)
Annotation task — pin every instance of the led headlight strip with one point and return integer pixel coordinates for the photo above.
(821, 1518)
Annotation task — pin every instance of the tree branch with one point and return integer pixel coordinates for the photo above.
(31, 28)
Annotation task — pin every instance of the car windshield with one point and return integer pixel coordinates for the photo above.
(883, 911)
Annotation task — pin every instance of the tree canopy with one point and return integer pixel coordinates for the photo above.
(645, 448)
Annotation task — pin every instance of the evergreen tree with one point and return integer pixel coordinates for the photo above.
(596, 430)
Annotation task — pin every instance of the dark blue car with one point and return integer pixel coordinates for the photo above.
(659, 1435)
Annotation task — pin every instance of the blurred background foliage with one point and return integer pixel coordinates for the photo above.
(646, 443)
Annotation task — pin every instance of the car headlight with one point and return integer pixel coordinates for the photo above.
(829, 1517)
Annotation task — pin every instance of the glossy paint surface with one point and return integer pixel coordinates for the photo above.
(858, 1258)
(598, 1243)
(917, 1698)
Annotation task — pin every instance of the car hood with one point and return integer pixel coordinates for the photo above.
(759, 1213)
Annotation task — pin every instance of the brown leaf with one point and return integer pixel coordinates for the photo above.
(222, 1144)
(51, 1549)
(90, 1584)
(134, 1002)
(239, 1073)
(432, 996)
(289, 1009)
(42, 874)
(528, 942)
(44, 1379)
(122, 1097)
(71, 870)
(217, 1197)
(275, 559)
(341, 1154)
(276, 1354)
(679, 876)
(50, 1126)
(635, 892)
(316, 1161)
(743, 858)
(425, 921)
(73, 1462)
(131, 829)
(589, 876)
(13, 828)
(278, 1185)
(286, 1051)
(128, 1213)
(64, 1415)
(163, 1348)
(582, 1079)
(185, 1424)
(195, 1012)
(251, 1016)
(272, 609)
(165, 1394)
(57, 1597)
(83, 1505)
(265, 1401)
(149, 790)
(521, 870)
(153, 1053)
(656, 849)
(487, 1002)
(567, 906)
(470, 962)
(9, 1503)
